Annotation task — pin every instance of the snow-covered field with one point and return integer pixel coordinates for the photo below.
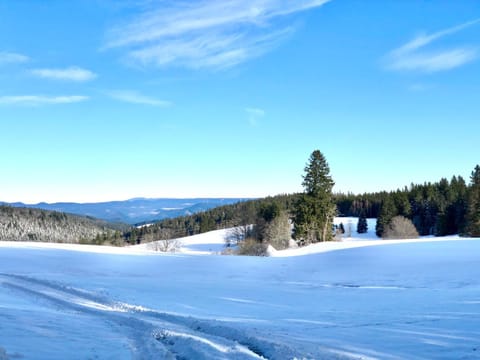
(341, 300)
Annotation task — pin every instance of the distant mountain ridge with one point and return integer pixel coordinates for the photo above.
(135, 211)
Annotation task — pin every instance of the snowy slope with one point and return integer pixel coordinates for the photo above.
(404, 300)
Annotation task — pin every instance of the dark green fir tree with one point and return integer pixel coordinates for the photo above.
(473, 206)
(362, 226)
(315, 209)
(387, 212)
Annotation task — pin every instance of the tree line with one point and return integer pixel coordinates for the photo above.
(441, 208)
(29, 224)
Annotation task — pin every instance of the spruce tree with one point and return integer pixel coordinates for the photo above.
(315, 209)
(473, 210)
(459, 200)
(387, 212)
(362, 226)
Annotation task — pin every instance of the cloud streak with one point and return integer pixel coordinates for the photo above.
(207, 33)
(134, 97)
(413, 56)
(254, 114)
(36, 100)
(72, 73)
(12, 58)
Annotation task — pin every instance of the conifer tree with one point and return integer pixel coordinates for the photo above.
(459, 203)
(387, 212)
(362, 226)
(473, 210)
(315, 209)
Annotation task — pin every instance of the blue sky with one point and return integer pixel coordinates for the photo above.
(109, 100)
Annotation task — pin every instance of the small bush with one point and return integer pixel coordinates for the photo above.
(228, 251)
(252, 247)
(171, 245)
(400, 228)
(238, 234)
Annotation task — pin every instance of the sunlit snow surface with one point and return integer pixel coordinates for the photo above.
(400, 300)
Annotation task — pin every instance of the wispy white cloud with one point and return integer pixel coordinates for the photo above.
(12, 58)
(207, 50)
(72, 73)
(35, 100)
(137, 98)
(413, 56)
(438, 61)
(419, 87)
(254, 114)
(208, 33)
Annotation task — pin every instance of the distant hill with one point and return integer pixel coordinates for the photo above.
(29, 224)
(135, 211)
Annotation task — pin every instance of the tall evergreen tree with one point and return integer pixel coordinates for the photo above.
(315, 209)
(402, 204)
(387, 212)
(473, 210)
(362, 226)
(459, 203)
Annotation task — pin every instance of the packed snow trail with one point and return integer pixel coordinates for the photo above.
(153, 334)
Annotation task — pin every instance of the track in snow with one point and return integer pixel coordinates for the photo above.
(154, 334)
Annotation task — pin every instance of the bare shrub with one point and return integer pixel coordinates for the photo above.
(237, 234)
(252, 247)
(400, 228)
(170, 245)
(348, 231)
(278, 232)
(228, 251)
